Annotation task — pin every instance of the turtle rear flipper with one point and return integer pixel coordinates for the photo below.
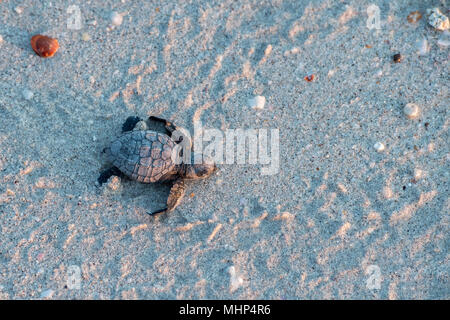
(176, 194)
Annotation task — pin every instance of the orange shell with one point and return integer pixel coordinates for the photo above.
(44, 46)
(310, 77)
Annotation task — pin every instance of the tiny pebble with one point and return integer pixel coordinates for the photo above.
(397, 57)
(379, 147)
(116, 18)
(257, 102)
(27, 94)
(18, 10)
(411, 110)
(85, 36)
(437, 19)
(418, 174)
(47, 294)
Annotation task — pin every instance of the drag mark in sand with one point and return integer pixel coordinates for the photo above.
(408, 210)
(213, 234)
(188, 226)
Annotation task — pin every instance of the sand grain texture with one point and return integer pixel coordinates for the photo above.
(311, 231)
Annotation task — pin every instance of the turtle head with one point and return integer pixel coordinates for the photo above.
(199, 170)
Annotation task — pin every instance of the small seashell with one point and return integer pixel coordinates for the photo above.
(310, 78)
(85, 36)
(235, 280)
(27, 94)
(414, 16)
(44, 46)
(437, 19)
(116, 18)
(47, 294)
(411, 110)
(418, 174)
(379, 147)
(257, 102)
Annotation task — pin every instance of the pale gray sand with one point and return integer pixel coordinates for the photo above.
(337, 215)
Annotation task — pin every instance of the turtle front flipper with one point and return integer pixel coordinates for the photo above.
(171, 128)
(130, 123)
(176, 194)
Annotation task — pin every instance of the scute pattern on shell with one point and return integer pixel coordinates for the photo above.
(144, 156)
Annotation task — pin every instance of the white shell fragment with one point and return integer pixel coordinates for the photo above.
(437, 19)
(85, 36)
(47, 294)
(444, 40)
(411, 110)
(235, 280)
(418, 174)
(257, 102)
(116, 18)
(379, 146)
(27, 94)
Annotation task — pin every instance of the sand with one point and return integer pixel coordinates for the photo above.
(338, 221)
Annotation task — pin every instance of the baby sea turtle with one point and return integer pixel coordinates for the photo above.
(146, 156)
